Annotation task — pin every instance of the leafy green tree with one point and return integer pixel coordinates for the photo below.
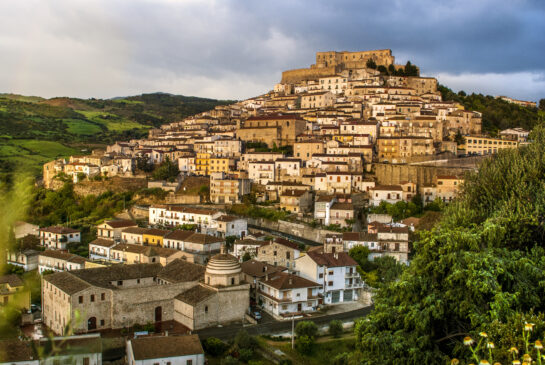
(246, 256)
(391, 70)
(304, 344)
(479, 269)
(542, 104)
(229, 360)
(410, 69)
(143, 164)
(214, 346)
(230, 241)
(336, 328)
(245, 355)
(167, 170)
(382, 69)
(371, 64)
(244, 341)
(459, 139)
(306, 328)
(360, 254)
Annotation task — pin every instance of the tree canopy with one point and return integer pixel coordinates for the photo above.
(482, 268)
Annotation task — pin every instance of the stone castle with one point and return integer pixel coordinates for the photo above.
(331, 63)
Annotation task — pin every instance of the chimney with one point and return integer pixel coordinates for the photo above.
(290, 281)
(266, 277)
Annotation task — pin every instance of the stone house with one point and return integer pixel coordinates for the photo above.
(52, 260)
(222, 298)
(117, 296)
(255, 271)
(339, 213)
(27, 259)
(228, 225)
(224, 189)
(279, 252)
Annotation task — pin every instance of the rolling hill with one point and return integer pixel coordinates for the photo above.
(34, 130)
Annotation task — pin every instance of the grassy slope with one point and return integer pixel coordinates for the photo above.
(34, 130)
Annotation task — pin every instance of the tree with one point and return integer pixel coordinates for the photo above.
(167, 170)
(304, 344)
(371, 64)
(244, 341)
(336, 328)
(382, 69)
(478, 270)
(214, 346)
(306, 328)
(459, 139)
(410, 69)
(542, 104)
(391, 69)
(246, 256)
(144, 164)
(230, 241)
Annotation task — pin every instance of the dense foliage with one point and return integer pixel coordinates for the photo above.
(497, 114)
(482, 268)
(377, 272)
(402, 209)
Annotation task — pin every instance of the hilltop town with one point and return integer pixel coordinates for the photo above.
(288, 184)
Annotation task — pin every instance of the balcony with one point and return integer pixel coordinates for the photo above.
(354, 274)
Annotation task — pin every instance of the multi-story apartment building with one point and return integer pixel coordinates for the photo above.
(261, 172)
(99, 249)
(296, 201)
(226, 189)
(401, 149)
(341, 214)
(57, 237)
(221, 164)
(170, 215)
(335, 272)
(284, 295)
(281, 130)
(322, 99)
(229, 225)
(487, 145)
(51, 260)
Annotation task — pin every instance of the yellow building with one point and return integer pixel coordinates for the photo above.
(221, 164)
(154, 237)
(343, 138)
(202, 164)
(487, 145)
(13, 292)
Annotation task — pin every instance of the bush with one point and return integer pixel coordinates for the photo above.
(306, 328)
(336, 328)
(285, 362)
(341, 359)
(229, 360)
(304, 344)
(244, 341)
(214, 346)
(245, 355)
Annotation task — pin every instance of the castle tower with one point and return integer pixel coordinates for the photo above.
(223, 270)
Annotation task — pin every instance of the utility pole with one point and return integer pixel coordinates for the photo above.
(292, 328)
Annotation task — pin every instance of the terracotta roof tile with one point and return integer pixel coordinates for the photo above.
(145, 348)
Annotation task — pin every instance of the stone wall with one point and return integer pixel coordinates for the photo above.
(391, 174)
(115, 184)
(297, 75)
(294, 229)
(183, 199)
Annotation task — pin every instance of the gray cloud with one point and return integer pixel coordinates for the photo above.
(237, 49)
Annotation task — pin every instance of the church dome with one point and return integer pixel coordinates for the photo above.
(223, 264)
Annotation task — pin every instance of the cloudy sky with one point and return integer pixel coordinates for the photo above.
(237, 49)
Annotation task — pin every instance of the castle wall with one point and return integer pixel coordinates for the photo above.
(298, 75)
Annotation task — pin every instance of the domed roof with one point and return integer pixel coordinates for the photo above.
(223, 264)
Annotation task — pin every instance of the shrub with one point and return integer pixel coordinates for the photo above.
(336, 328)
(304, 344)
(341, 359)
(245, 355)
(244, 341)
(306, 328)
(214, 346)
(229, 360)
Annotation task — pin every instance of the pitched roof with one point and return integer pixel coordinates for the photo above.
(285, 242)
(360, 236)
(181, 271)
(120, 223)
(387, 187)
(259, 269)
(227, 218)
(203, 239)
(104, 276)
(135, 230)
(195, 295)
(283, 281)
(12, 280)
(156, 232)
(103, 242)
(332, 259)
(59, 230)
(12, 351)
(145, 348)
(342, 206)
(67, 282)
(179, 235)
(79, 344)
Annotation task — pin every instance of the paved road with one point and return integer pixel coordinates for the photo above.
(274, 327)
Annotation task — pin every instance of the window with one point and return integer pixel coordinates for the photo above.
(103, 296)
(330, 283)
(274, 253)
(101, 322)
(205, 309)
(120, 282)
(92, 297)
(138, 280)
(189, 362)
(80, 299)
(321, 275)
(287, 255)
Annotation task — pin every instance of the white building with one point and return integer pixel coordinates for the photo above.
(165, 350)
(77, 350)
(261, 172)
(228, 225)
(168, 215)
(335, 272)
(388, 193)
(288, 166)
(51, 260)
(240, 247)
(58, 237)
(111, 230)
(284, 295)
(99, 249)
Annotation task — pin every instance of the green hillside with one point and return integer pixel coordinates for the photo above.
(34, 130)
